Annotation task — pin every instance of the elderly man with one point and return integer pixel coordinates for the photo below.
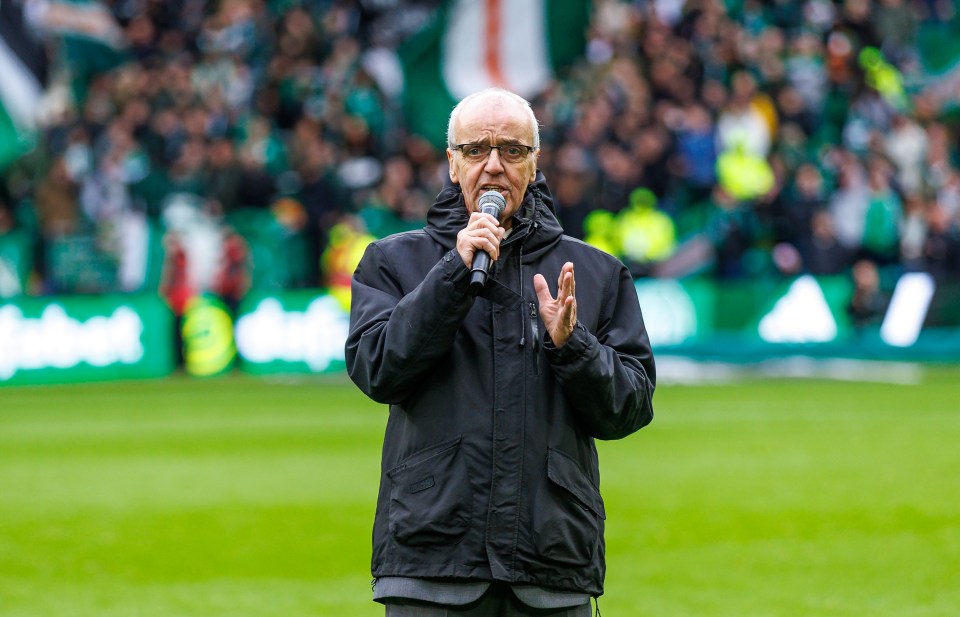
(489, 499)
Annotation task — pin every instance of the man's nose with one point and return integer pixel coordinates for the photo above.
(493, 164)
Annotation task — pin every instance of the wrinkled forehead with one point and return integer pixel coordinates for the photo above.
(493, 119)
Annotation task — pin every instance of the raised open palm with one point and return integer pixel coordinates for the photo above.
(559, 314)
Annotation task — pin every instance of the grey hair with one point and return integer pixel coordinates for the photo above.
(451, 142)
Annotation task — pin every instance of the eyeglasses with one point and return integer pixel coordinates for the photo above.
(511, 153)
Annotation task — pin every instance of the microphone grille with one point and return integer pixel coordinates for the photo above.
(493, 198)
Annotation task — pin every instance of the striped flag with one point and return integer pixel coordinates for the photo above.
(22, 80)
(91, 42)
(519, 45)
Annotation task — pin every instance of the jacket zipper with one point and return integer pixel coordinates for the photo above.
(534, 329)
(523, 328)
(523, 325)
(535, 333)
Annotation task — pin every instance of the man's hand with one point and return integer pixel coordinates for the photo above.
(482, 233)
(559, 314)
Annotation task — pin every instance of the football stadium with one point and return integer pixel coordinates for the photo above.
(186, 191)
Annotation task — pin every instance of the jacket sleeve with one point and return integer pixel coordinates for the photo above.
(609, 376)
(394, 337)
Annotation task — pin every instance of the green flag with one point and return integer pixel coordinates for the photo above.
(474, 44)
(22, 76)
(14, 138)
(91, 42)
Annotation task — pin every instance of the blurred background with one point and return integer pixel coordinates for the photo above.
(186, 187)
(781, 177)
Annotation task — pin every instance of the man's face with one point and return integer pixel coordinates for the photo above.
(493, 121)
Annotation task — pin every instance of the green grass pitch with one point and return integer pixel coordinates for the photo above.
(244, 498)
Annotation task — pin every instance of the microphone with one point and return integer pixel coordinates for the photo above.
(493, 203)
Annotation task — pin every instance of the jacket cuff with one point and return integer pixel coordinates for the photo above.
(575, 347)
(454, 270)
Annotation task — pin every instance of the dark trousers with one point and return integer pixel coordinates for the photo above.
(498, 601)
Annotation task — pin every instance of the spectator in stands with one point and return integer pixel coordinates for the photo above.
(176, 289)
(652, 149)
(619, 173)
(386, 209)
(793, 210)
(319, 193)
(731, 226)
(15, 253)
(850, 200)
(223, 175)
(881, 226)
(646, 234)
(348, 240)
(941, 250)
(748, 119)
(906, 146)
(57, 200)
(869, 302)
(913, 233)
(232, 280)
(574, 188)
(695, 160)
(895, 26)
(821, 250)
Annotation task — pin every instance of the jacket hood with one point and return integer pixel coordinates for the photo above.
(448, 215)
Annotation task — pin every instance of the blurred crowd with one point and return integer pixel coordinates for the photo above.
(733, 139)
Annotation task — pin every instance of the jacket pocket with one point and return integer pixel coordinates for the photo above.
(568, 513)
(429, 496)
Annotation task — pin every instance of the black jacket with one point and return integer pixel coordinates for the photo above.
(489, 467)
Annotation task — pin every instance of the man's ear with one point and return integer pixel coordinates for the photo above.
(533, 172)
(452, 168)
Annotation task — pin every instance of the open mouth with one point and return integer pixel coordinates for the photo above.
(490, 187)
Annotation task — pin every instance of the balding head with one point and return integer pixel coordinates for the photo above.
(492, 98)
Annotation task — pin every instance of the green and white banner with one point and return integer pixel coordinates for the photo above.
(74, 339)
(756, 320)
(88, 338)
(292, 332)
